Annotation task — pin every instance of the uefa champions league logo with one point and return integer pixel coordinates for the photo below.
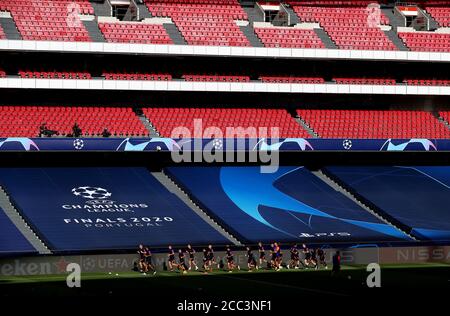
(94, 194)
(347, 144)
(78, 144)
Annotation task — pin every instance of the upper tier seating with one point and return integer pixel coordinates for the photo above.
(54, 75)
(219, 78)
(347, 26)
(25, 121)
(134, 32)
(440, 14)
(284, 79)
(426, 41)
(428, 82)
(374, 81)
(288, 37)
(136, 76)
(167, 119)
(204, 22)
(374, 124)
(49, 20)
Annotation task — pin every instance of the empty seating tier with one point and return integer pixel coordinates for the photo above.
(54, 75)
(25, 121)
(49, 20)
(287, 79)
(136, 76)
(374, 81)
(348, 27)
(426, 41)
(288, 37)
(216, 78)
(134, 32)
(374, 124)
(166, 120)
(204, 23)
(428, 82)
(440, 14)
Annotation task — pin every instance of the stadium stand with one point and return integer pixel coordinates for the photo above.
(426, 41)
(440, 14)
(144, 211)
(135, 32)
(346, 24)
(136, 76)
(166, 120)
(445, 115)
(288, 37)
(2, 74)
(374, 124)
(11, 239)
(291, 79)
(374, 81)
(25, 120)
(54, 75)
(428, 82)
(204, 22)
(222, 78)
(282, 206)
(403, 193)
(49, 20)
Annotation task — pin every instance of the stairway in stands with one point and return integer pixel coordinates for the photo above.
(395, 22)
(102, 8)
(340, 187)
(9, 28)
(93, 30)
(326, 39)
(148, 125)
(174, 34)
(170, 185)
(22, 226)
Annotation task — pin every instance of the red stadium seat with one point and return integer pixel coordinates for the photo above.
(24, 121)
(374, 124)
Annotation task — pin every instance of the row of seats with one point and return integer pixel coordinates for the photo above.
(426, 41)
(226, 78)
(216, 78)
(25, 121)
(373, 81)
(136, 76)
(428, 82)
(49, 20)
(291, 79)
(440, 14)
(374, 124)
(348, 27)
(168, 120)
(134, 32)
(204, 23)
(54, 75)
(288, 38)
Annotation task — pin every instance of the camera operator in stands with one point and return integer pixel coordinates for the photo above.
(45, 132)
(76, 130)
(106, 132)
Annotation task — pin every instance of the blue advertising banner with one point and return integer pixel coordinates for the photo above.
(249, 145)
(103, 208)
(289, 205)
(417, 196)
